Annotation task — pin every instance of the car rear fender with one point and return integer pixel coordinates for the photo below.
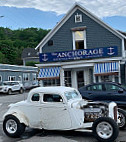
(19, 115)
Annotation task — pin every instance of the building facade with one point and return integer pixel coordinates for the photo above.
(81, 49)
(27, 75)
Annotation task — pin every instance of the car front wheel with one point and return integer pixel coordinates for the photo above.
(105, 129)
(12, 127)
(122, 119)
(9, 92)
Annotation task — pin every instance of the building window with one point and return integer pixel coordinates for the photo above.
(67, 78)
(50, 42)
(0, 78)
(34, 76)
(26, 76)
(79, 39)
(51, 82)
(78, 18)
(12, 78)
(20, 78)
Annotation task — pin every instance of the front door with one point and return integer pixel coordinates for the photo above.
(80, 78)
(55, 114)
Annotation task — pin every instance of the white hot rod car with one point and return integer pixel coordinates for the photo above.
(61, 108)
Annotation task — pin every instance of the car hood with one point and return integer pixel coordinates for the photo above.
(82, 103)
(3, 86)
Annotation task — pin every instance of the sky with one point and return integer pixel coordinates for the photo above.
(45, 14)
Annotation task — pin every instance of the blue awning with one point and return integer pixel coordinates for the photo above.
(106, 67)
(52, 72)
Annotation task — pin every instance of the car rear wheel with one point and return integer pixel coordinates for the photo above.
(122, 119)
(21, 91)
(12, 127)
(105, 129)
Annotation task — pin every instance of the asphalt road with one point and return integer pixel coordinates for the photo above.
(32, 135)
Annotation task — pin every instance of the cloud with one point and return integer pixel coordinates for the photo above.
(101, 8)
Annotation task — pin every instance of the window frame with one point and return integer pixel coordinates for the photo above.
(35, 101)
(25, 75)
(113, 89)
(0, 78)
(52, 101)
(74, 41)
(91, 86)
(10, 78)
(34, 76)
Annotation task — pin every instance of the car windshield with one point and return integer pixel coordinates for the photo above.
(72, 95)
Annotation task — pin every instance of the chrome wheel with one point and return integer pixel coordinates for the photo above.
(104, 130)
(122, 119)
(11, 126)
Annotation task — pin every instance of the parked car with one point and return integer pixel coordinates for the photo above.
(61, 108)
(107, 92)
(30, 85)
(11, 86)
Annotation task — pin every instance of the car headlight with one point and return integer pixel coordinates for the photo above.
(5, 88)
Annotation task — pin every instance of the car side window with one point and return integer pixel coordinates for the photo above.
(52, 98)
(16, 83)
(97, 87)
(111, 87)
(35, 97)
(12, 83)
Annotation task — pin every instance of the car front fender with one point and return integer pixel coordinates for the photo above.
(19, 115)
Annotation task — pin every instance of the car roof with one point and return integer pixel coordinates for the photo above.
(100, 83)
(51, 89)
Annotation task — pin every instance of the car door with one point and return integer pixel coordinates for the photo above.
(55, 113)
(32, 110)
(115, 93)
(16, 86)
(93, 92)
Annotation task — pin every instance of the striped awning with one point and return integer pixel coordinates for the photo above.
(52, 72)
(110, 67)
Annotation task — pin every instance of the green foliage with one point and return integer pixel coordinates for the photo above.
(2, 57)
(12, 43)
(31, 63)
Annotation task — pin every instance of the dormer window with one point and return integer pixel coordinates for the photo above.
(79, 38)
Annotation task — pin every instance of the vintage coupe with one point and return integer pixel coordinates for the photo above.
(61, 108)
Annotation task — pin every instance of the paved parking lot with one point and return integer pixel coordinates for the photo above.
(50, 136)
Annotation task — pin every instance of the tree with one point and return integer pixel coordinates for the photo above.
(31, 63)
(12, 43)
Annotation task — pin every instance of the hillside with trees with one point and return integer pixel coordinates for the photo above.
(12, 43)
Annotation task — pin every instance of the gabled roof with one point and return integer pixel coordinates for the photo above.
(68, 15)
(29, 52)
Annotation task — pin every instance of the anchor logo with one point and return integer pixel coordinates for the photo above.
(110, 51)
(45, 57)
